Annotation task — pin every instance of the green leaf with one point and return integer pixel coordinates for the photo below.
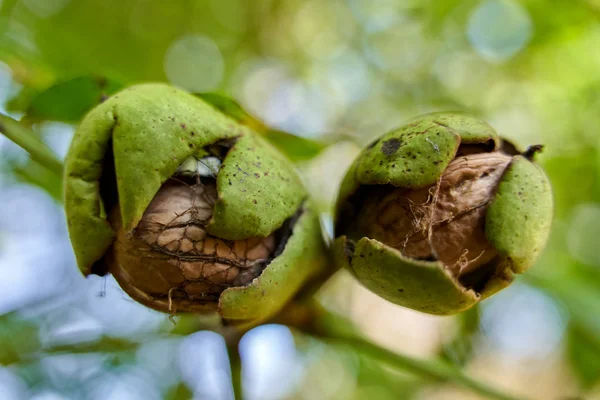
(296, 148)
(233, 109)
(179, 392)
(70, 100)
(18, 339)
(584, 354)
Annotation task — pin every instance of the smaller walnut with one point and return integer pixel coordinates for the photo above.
(441, 213)
(445, 221)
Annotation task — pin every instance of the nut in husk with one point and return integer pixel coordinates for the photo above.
(190, 211)
(441, 213)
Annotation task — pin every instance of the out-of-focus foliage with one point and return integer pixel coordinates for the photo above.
(66, 101)
(354, 67)
(296, 148)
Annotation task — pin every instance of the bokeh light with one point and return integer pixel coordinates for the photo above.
(11, 386)
(584, 233)
(270, 366)
(45, 8)
(194, 62)
(522, 323)
(498, 29)
(203, 362)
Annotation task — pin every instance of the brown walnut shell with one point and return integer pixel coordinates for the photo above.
(172, 264)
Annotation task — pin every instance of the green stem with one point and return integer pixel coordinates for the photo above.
(27, 140)
(235, 362)
(423, 368)
(311, 319)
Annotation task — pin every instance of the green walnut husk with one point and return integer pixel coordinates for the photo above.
(441, 213)
(239, 240)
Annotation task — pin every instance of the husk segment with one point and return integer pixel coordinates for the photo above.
(518, 219)
(421, 285)
(258, 190)
(303, 258)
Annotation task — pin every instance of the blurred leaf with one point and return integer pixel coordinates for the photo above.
(584, 355)
(296, 148)
(68, 101)
(29, 141)
(125, 39)
(179, 392)
(18, 339)
(574, 167)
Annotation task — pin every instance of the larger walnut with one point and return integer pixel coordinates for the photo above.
(172, 264)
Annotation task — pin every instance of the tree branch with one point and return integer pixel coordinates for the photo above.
(235, 362)
(26, 139)
(337, 330)
(432, 370)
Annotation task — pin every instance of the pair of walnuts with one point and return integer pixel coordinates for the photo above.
(193, 212)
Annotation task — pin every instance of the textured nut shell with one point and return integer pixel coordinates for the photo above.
(171, 259)
(445, 222)
(457, 233)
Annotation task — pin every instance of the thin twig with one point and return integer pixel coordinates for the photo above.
(437, 371)
(334, 329)
(235, 362)
(26, 139)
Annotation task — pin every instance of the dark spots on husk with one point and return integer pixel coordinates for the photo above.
(391, 146)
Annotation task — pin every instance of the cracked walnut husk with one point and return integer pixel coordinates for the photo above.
(189, 210)
(441, 213)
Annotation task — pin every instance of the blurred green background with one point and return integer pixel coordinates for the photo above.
(344, 71)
